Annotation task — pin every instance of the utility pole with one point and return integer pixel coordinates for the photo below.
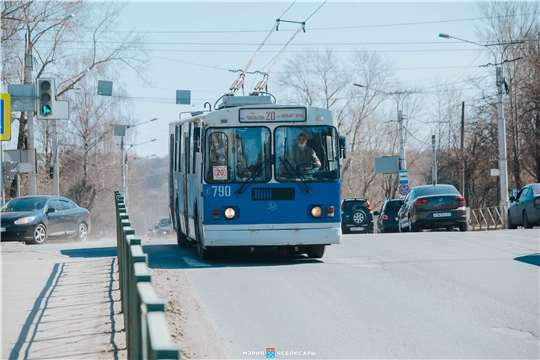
(502, 145)
(503, 171)
(462, 190)
(402, 162)
(30, 147)
(397, 96)
(433, 161)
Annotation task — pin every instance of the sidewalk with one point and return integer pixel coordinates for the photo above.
(61, 304)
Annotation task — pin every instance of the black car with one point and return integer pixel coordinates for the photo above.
(388, 216)
(34, 219)
(525, 207)
(162, 227)
(356, 216)
(433, 207)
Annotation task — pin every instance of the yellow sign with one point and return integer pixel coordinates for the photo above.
(5, 113)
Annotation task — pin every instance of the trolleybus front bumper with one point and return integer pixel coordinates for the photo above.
(270, 235)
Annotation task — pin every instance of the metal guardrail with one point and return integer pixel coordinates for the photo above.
(489, 218)
(145, 320)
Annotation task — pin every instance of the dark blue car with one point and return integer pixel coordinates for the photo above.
(388, 216)
(524, 209)
(34, 219)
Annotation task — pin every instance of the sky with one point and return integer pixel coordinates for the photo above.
(196, 46)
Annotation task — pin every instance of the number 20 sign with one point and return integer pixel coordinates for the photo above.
(220, 172)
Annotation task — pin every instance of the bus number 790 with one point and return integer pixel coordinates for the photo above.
(221, 190)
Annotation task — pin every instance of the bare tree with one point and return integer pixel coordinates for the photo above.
(64, 49)
(510, 22)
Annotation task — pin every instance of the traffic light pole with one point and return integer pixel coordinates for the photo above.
(56, 172)
(122, 169)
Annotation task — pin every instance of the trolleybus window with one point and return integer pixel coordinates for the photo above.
(237, 154)
(306, 153)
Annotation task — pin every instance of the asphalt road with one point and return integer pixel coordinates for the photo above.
(413, 295)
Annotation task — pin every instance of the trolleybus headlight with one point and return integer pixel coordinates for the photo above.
(316, 211)
(229, 213)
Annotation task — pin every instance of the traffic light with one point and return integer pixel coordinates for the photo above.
(46, 98)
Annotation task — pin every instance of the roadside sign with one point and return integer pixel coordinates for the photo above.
(5, 120)
(403, 176)
(404, 189)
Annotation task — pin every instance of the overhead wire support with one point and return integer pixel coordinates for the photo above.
(261, 85)
(237, 84)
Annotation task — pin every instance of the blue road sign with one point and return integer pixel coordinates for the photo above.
(404, 189)
(403, 176)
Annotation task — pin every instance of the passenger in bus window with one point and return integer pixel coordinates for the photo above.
(304, 157)
(217, 152)
(241, 159)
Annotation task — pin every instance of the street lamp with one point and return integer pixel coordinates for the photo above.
(28, 62)
(120, 130)
(396, 95)
(501, 123)
(126, 188)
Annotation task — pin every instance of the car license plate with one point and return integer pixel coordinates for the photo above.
(2, 229)
(357, 229)
(442, 214)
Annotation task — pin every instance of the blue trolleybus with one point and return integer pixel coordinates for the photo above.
(253, 174)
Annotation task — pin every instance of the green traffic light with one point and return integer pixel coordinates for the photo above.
(45, 109)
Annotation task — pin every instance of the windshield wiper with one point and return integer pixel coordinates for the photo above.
(294, 174)
(252, 177)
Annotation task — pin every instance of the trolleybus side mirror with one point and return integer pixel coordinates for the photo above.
(343, 146)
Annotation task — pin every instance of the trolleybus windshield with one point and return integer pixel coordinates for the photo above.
(237, 154)
(308, 153)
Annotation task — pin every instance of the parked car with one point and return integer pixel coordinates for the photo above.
(433, 207)
(388, 216)
(34, 219)
(356, 216)
(525, 207)
(162, 227)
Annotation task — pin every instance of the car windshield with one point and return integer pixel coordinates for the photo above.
(164, 222)
(28, 204)
(436, 190)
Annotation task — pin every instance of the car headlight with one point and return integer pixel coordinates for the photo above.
(25, 220)
(229, 213)
(316, 211)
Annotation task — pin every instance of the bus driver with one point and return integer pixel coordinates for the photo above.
(304, 157)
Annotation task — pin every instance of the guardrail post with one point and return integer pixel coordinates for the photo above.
(145, 322)
(157, 340)
(141, 274)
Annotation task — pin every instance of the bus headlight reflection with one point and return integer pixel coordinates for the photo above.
(229, 213)
(316, 211)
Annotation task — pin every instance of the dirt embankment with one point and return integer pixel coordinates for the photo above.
(188, 322)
